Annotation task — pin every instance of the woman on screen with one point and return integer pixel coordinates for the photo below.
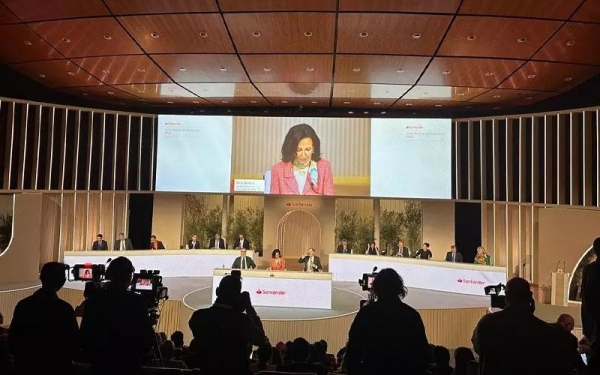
(482, 257)
(277, 263)
(301, 170)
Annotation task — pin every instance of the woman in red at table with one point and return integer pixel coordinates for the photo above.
(301, 170)
(277, 263)
(156, 244)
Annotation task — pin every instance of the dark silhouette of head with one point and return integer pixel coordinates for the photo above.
(294, 136)
(177, 338)
(120, 272)
(276, 251)
(462, 357)
(229, 289)
(53, 276)
(167, 349)
(300, 350)
(518, 293)
(264, 353)
(441, 356)
(596, 246)
(566, 321)
(389, 284)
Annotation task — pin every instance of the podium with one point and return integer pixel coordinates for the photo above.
(560, 289)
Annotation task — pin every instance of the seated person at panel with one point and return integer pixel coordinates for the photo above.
(243, 262)
(216, 242)
(100, 244)
(344, 247)
(122, 243)
(193, 243)
(277, 263)
(482, 257)
(241, 243)
(312, 263)
(424, 253)
(453, 255)
(372, 249)
(401, 250)
(156, 244)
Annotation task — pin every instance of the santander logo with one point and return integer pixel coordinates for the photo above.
(470, 281)
(271, 292)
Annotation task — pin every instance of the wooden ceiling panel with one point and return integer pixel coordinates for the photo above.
(162, 91)
(223, 90)
(282, 32)
(179, 33)
(455, 94)
(352, 103)
(6, 16)
(297, 102)
(379, 69)
(56, 73)
(375, 92)
(416, 6)
(589, 12)
(295, 90)
(390, 34)
(409, 104)
(180, 101)
(120, 7)
(123, 70)
(240, 102)
(289, 68)
(496, 37)
(36, 10)
(87, 37)
(521, 8)
(503, 96)
(20, 44)
(547, 76)
(574, 42)
(202, 68)
(277, 5)
(468, 72)
(100, 92)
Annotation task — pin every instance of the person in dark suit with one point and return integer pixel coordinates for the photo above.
(156, 244)
(401, 250)
(301, 360)
(344, 248)
(217, 242)
(193, 243)
(425, 252)
(567, 354)
(241, 243)
(453, 255)
(243, 262)
(590, 307)
(100, 244)
(123, 243)
(312, 263)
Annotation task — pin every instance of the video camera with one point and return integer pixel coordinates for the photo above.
(367, 280)
(93, 274)
(148, 284)
(497, 296)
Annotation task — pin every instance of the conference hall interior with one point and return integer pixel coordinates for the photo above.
(299, 187)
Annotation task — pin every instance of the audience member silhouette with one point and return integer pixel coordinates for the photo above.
(387, 336)
(590, 307)
(441, 359)
(462, 358)
(301, 360)
(116, 329)
(167, 357)
(43, 331)
(514, 341)
(567, 350)
(223, 332)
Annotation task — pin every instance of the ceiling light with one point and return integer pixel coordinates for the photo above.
(141, 70)
(350, 112)
(521, 40)
(108, 37)
(67, 40)
(139, 91)
(253, 101)
(496, 107)
(416, 36)
(496, 96)
(308, 34)
(366, 112)
(182, 69)
(203, 34)
(310, 69)
(110, 93)
(169, 102)
(42, 75)
(376, 103)
(256, 34)
(489, 74)
(313, 102)
(224, 101)
(363, 34)
(383, 112)
(438, 105)
(239, 90)
(284, 102)
(408, 104)
(154, 35)
(460, 94)
(346, 102)
(267, 70)
(471, 37)
(28, 43)
(400, 71)
(568, 79)
(223, 69)
(105, 71)
(528, 98)
(570, 43)
(71, 74)
(447, 72)
(356, 70)
(85, 94)
(196, 102)
(531, 76)
(312, 90)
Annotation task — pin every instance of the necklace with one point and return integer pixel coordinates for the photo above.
(297, 164)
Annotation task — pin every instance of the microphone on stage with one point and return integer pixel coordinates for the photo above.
(557, 265)
(108, 260)
(374, 269)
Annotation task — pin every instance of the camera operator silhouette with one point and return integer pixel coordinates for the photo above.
(116, 329)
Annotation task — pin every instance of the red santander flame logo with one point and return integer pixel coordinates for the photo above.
(259, 291)
(460, 280)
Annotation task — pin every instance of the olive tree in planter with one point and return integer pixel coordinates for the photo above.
(250, 223)
(199, 219)
(391, 229)
(413, 223)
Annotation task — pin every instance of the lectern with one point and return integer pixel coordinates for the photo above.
(560, 289)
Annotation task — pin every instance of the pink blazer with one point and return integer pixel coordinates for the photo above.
(273, 264)
(283, 180)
